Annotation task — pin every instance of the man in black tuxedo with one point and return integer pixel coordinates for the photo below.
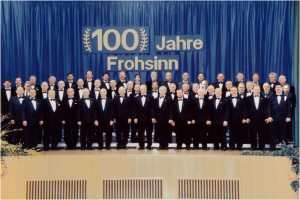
(15, 114)
(220, 83)
(61, 93)
(257, 113)
(89, 82)
(292, 99)
(122, 116)
(185, 80)
(122, 80)
(201, 117)
(69, 119)
(130, 93)
(6, 94)
(267, 93)
(18, 83)
(142, 117)
(220, 116)
(70, 83)
(241, 90)
(52, 83)
(237, 119)
(85, 119)
(168, 81)
(239, 79)
(153, 78)
(155, 94)
(95, 93)
(113, 91)
(105, 81)
(280, 112)
(182, 120)
(31, 116)
(43, 93)
(273, 81)
(51, 118)
(79, 89)
(163, 117)
(104, 119)
(33, 84)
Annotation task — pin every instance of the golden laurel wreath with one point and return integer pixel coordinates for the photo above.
(144, 40)
(86, 39)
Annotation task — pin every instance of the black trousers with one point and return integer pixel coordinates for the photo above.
(87, 135)
(278, 133)
(182, 134)
(236, 135)
(71, 135)
(219, 136)
(256, 131)
(142, 127)
(164, 132)
(134, 131)
(122, 133)
(30, 136)
(107, 129)
(16, 136)
(200, 135)
(51, 134)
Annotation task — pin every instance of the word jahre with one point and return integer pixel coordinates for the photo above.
(178, 43)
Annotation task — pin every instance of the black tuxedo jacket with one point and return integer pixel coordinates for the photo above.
(104, 116)
(260, 114)
(279, 112)
(64, 96)
(216, 85)
(221, 113)
(31, 115)
(5, 101)
(164, 113)
(122, 111)
(237, 113)
(54, 87)
(109, 93)
(104, 86)
(93, 94)
(120, 83)
(84, 114)
(86, 85)
(39, 95)
(69, 114)
(185, 114)
(143, 113)
(73, 85)
(15, 108)
(201, 115)
(77, 92)
(48, 115)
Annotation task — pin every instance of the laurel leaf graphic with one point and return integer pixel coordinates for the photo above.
(144, 40)
(86, 39)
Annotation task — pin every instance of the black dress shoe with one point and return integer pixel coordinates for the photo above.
(46, 149)
(141, 148)
(107, 148)
(100, 148)
(82, 149)
(224, 148)
(240, 148)
(149, 148)
(205, 148)
(178, 148)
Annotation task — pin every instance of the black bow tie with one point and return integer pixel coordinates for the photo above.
(129, 90)
(70, 98)
(154, 91)
(179, 99)
(200, 98)
(80, 88)
(60, 90)
(32, 99)
(278, 95)
(20, 97)
(52, 99)
(233, 97)
(103, 98)
(186, 93)
(7, 89)
(86, 98)
(218, 98)
(89, 81)
(162, 97)
(256, 96)
(44, 92)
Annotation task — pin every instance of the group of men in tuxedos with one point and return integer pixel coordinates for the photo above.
(198, 113)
